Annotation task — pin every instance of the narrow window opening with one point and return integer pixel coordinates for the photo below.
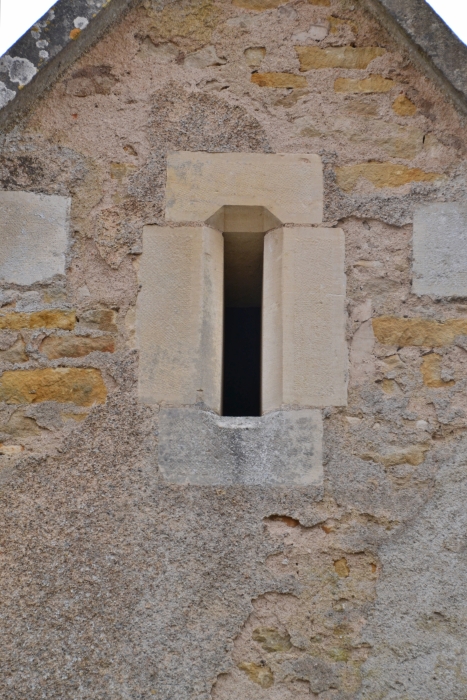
(244, 228)
(243, 287)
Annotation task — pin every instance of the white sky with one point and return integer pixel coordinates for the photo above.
(16, 16)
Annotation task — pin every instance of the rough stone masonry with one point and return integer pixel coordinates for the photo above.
(149, 547)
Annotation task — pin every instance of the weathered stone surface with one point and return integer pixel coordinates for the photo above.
(259, 5)
(204, 58)
(440, 250)
(431, 372)
(304, 353)
(313, 57)
(320, 674)
(397, 141)
(83, 387)
(15, 353)
(381, 175)
(49, 318)
(404, 107)
(100, 319)
(362, 349)
(254, 56)
(271, 639)
(56, 346)
(279, 80)
(390, 330)
(341, 567)
(179, 320)
(430, 41)
(20, 426)
(317, 32)
(262, 675)
(375, 83)
(417, 628)
(279, 449)
(414, 455)
(288, 184)
(33, 236)
(11, 449)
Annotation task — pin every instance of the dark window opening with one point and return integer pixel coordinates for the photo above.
(242, 361)
(243, 286)
(244, 228)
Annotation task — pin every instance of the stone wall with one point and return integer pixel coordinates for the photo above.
(118, 584)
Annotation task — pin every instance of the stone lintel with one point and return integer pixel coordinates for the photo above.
(289, 185)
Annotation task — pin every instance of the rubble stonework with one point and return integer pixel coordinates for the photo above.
(130, 567)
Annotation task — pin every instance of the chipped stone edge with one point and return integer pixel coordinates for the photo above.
(48, 72)
(432, 45)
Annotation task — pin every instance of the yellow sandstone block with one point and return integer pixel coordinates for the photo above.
(259, 5)
(262, 675)
(84, 387)
(431, 372)
(49, 318)
(375, 83)
(279, 80)
(414, 455)
(404, 107)
(419, 332)
(312, 57)
(381, 175)
(342, 568)
(55, 346)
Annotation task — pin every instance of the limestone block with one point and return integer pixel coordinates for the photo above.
(15, 354)
(304, 353)
(279, 449)
(313, 57)
(431, 372)
(381, 175)
(49, 318)
(55, 346)
(259, 5)
(179, 316)
(419, 332)
(83, 387)
(403, 106)
(258, 673)
(440, 250)
(101, 319)
(290, 185)
(279, 80)
(374, 83)
(33, 236)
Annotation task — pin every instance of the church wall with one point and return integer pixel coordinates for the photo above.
(117, 583)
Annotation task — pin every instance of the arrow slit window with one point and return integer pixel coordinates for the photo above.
(242, 301)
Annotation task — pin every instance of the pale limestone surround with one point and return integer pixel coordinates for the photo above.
(33, 236)
(304, 353)
(283, 448)
(289, 185)
(440, 250)
(180, 316)
(180, 307)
